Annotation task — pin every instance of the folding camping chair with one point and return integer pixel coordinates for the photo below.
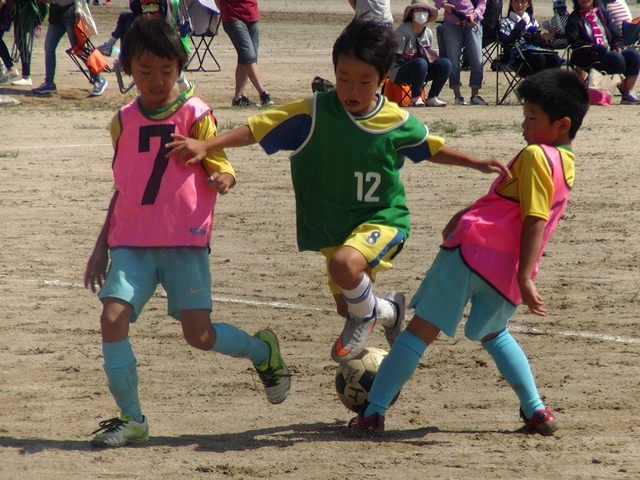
(205, 22)
(492, 16)
(123, 85)
(87, 58)
(512, 75)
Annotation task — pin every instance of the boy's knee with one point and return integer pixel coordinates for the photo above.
(114, 320)
(347, 264)
(200, 342)
(198, 331)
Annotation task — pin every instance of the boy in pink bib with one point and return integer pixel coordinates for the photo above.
(158, 231)
(490, 255)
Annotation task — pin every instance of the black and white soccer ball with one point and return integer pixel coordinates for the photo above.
(355, 378)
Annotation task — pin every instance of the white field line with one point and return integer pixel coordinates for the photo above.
(293, 306)
(39, 147)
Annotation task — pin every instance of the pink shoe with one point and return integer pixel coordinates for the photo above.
(542, 422)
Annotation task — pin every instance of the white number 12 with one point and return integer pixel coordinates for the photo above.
(372, 178)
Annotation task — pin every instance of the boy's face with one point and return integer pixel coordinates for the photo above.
(538, 129)
(155, 77)
(356, 85)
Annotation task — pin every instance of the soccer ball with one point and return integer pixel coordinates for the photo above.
(355, 377)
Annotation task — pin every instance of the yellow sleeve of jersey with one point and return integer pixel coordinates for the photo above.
(216, 160)
(435, 144)
(534, 182)
(263, 123)
(115, 128)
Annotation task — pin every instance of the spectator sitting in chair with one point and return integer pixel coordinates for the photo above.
(122, 27)
(416, 61)
(519, 29)
(557, 36)
(596, 41)
(620, 15)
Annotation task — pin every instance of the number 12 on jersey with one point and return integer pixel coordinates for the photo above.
(369, 181)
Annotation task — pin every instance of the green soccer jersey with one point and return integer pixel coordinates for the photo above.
(347, 173)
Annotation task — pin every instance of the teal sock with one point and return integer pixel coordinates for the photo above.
(395, 370)
(235, 343)
(122, 376)
(514, 367)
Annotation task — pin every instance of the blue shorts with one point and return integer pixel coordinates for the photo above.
(447, 288)
(245, 39)
(134, 274)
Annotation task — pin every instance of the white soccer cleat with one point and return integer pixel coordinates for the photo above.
(118, 432)
(399, 303)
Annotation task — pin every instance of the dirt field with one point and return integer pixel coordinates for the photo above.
(455, 419)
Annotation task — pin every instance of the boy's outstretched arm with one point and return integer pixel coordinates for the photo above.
(448, 156)
(530, 242)
(195, 150)
(96, 268)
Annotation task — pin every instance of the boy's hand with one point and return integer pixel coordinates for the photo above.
(494, 165)
(96, 269)
(531, 298)
(221, 182)
(186, 148)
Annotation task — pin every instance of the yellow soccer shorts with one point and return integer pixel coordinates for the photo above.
(378, 244)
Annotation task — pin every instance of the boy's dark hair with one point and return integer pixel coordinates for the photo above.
(155, 36)
(559, 93)
(368, 42)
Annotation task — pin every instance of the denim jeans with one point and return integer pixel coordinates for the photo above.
(54, 33)
(455, 37)
(4, 53)
(627, 62)
(245, 39)
(417, 71)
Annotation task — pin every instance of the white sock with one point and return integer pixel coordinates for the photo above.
(360, 301)
(386, 313)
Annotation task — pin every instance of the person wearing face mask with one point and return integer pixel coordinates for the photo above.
(521, 29)
(416, 61)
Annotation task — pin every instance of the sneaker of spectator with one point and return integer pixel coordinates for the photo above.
(99, 86)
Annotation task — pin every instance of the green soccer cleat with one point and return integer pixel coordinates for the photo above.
(118, 432)
(273, 372)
